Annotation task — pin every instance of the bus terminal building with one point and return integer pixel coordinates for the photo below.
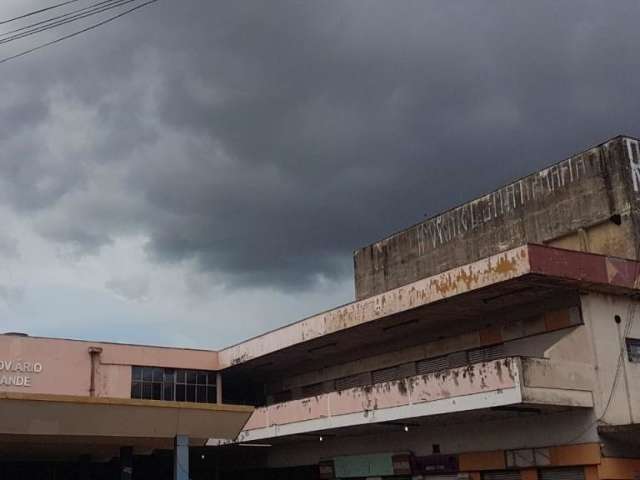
(499, 340)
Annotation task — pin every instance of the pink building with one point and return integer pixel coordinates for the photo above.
(497, 341)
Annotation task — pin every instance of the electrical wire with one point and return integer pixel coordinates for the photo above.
(38, 11)
(49, 20)
(48, 26)
(70, 35)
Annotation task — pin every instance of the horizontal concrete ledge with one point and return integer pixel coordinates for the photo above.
(476, 387)
(126, 402)
(67, 417)
(498, 398)
(564, 267)
(557, 397)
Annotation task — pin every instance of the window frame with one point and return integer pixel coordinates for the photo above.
(173, 384)
(633, 349)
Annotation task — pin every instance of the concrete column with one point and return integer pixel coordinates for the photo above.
(181, 458)
(126, 463)
(218, 388)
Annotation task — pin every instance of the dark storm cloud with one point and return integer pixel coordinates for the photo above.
(267, 140)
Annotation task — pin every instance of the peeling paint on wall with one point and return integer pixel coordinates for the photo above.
(493, 376)
(494, 269)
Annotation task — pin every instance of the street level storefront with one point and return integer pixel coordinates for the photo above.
(96, 407)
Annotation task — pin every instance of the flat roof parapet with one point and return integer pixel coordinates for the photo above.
(557, 205)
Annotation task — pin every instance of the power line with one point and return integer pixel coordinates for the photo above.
(52, 24)
(48, 20)
(38, 11)
(65, 37)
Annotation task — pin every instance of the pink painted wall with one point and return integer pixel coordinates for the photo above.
(477, 378)
(66, 364)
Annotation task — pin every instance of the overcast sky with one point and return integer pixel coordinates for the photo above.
(200, 171)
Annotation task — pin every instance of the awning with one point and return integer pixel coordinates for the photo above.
(118, 421)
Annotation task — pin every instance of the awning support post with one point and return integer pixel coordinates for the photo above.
(126, 463)
(181, 458)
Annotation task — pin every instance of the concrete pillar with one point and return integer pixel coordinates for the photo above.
(181, 458)
(218, 388)
(126, 463)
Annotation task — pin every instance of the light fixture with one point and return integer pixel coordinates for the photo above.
(202, 456)
(321, 439)
(406, 428)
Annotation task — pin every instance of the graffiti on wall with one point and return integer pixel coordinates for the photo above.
(469, 217)
(633, 151)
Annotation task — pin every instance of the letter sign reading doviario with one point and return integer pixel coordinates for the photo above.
(18, 373)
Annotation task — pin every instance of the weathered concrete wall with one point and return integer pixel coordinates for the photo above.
(588, 202)
(531, 335)
(617, 396)
(483, 273)
(508, 381)
(491, 376)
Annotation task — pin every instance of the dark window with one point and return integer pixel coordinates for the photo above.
(633, 349)
(180, 393)
(172, 384)
(136, 390)
(191, 393)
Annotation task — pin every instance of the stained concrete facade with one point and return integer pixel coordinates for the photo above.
(588, 202)
(469, 354)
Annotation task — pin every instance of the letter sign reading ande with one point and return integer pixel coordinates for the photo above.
(16, 373)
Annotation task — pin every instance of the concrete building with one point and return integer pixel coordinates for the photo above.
(497, 341)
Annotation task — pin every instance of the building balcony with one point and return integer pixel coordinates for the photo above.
(508, 383)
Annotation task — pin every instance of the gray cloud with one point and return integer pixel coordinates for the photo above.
(8, 246)
(11, 294)
(133, 288)
(267, 141)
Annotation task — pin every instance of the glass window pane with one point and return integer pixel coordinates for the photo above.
(147, 374)
(136, 373)
(146, 391)
(191, 377)
(180, 393)
(136, 390)
(157, 374)
(157, 391)
(168, 391)
(191, 393)
(633, 349)
(202, 378)
(169, 375)
(212, 378)
(201, 394)
(211, 394)
(180, 376)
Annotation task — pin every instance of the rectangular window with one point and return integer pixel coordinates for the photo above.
(633, 349)
(171, 384)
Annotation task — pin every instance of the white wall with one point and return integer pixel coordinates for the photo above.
(607, 340)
